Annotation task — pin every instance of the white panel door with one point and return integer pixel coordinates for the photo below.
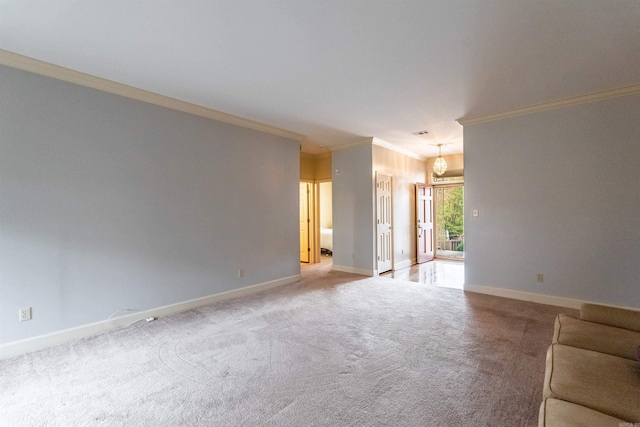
(424, 223)
(384, 223)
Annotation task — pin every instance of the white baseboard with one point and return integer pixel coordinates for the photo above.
(539, 298)
(28, 345)
(525, 296)
(404, 264)
(353, 270)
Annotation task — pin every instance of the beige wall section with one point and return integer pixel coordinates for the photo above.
(315, 167)
(323, 166)
(455, 161)
(406, 171)
(307, 167)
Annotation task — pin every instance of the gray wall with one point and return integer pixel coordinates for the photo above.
(353, 209)
(109, 203)
(558, 193)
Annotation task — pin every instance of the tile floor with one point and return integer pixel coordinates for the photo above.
(442, 273)
(439, 272)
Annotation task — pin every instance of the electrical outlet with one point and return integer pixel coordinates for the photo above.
(24, 314)
(241, 272)
(540, 278)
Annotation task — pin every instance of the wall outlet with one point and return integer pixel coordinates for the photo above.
(24, 314)
(539, 277)
(241, 272)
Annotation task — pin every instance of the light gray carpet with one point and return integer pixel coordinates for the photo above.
(332, 350)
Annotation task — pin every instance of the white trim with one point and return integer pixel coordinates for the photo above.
(356, 143)
(404, 264)
(525, 296)
(550, 105)
(42, 68)
(538, 298)
(353, 270)
(384, 144)
(372, 140)
(27, 345)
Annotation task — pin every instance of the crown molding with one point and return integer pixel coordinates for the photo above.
(384, 144)
(447, 157)
(551, 105)
(356, 143)
(372, 140)
(25, 63)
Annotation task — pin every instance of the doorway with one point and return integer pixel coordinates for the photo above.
(326, 218)
(316, 221)
(449, 207)
(305, 222)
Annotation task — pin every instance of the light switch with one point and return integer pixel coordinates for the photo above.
(475, 212)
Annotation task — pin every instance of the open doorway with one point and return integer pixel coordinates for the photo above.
(449, 207)
(326, 218)
(316, 221)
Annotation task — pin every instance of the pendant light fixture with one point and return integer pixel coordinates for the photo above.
(440, 166)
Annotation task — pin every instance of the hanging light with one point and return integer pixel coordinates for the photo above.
(440, 166)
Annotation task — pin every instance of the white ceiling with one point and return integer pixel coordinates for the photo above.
(337, 71)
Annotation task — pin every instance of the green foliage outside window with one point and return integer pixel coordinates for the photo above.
(454, 211)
